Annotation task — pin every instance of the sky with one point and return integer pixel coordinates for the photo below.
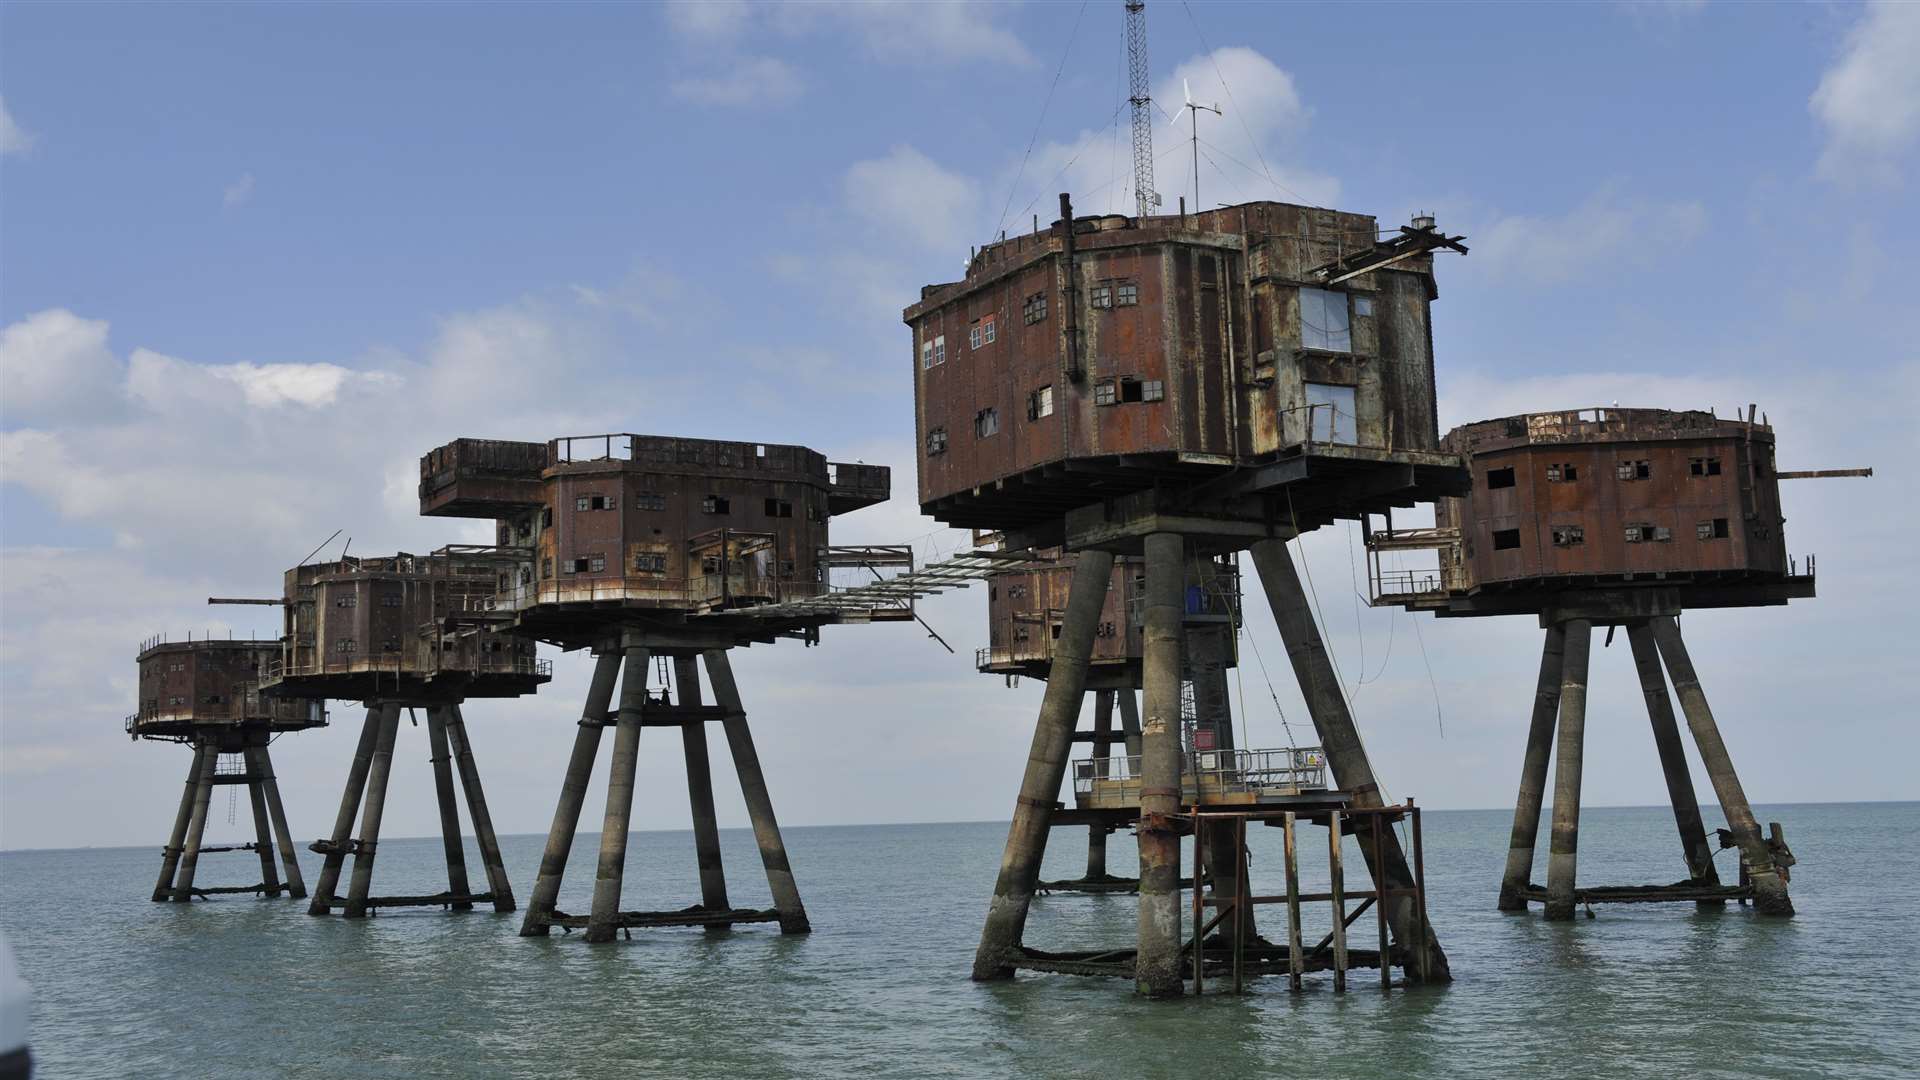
(256, 259)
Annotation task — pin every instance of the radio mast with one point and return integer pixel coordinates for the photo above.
(1146, 198)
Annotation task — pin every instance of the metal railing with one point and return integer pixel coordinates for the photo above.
(484, 663)
(1406, 582)
(1206, 776)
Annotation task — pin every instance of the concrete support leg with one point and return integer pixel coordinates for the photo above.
(339, 840)
(449, 809)
(197, 827)
(1563, 847)
(1157, 965)
(261, 762)
(706, 823)
(1533, 773)
(573, 792)
(1102, 751)
(262, 830)
(1769, 889)
(1129, 720)
(462, 746)
(176, 842)
(753, 788)
(1046, 767)
(369, 846)
(618, 822)
(1340, 741)
(1673, 758)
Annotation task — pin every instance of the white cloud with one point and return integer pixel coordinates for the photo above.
(749, 80)
(952, 32)
(14, 139)
(1869, 100)
(1605, 230)
(239, 191)
(907, 193)
(55, 366)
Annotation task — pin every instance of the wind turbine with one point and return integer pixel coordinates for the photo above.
(1195, 108)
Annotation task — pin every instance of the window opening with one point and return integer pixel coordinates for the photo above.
(779, 508)
(1500, 478)
(936, 441)
(1040, 403)
(716, 504)
(1323, 321)
(1331, 412)
(1568, 535)
(1103, 393)
(986, 422)
(1506, 539)
(1703, 466)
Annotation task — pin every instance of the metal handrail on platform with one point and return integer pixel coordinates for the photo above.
(1206, 776)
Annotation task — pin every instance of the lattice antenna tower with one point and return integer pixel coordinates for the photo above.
(1138, 93)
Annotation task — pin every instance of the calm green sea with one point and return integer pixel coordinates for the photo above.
(244, 988)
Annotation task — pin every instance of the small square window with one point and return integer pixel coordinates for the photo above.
(986, 422)
(1506, 539)
(1568, 535)
(596, 563)
(390, 600)
(936, 441)
(716, 504)
(710, 564)
(1102, 296)
(1130, 389)
(1153, 390)
(1640, 533)
(973, 337)
(986, 329)
(1703, 466)
(1040, 403)
(1126, 294)
(1103, 392)
(1633, 470)
(1500, 478)
(345, 645)
(1363, 305)
(1035, 309)
(347, 601)
(650, 562)
(779, 508)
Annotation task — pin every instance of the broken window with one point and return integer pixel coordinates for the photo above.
(986, 422)
(1703, 466)
(1102, 296)
(650, 562)
(779, 508)
(1500, 478)
(648, 500)
(1103, 392)
(546, 517)
(1711, 530)
(390, 600)
(1130, 389)
(1562, 473)
(1568, 535)
(936, 441)
(716, 504)
(1016, 591)
(1323, 321)
(345, 644)
(347, 601)
(1330, 413)
(584, 564)
(1633, 470)
(1035, 309)
(1126, 294)
(594, 502)
(1040, 403)
(1642, 533)
(1153, 390)
(1506, 539)
(786, 568)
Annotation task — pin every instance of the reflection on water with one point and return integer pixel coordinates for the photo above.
(241, 987)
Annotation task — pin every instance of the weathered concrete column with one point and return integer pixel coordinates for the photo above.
(1102, 752)
(1533, 773)
(449, 810)
(1563, 845)
(1129, 720)
(618, 821)
(573, 792)
(370, 814)
(706, 823)
(342, 835)
(262, 831)
(1673, 758)
(1046, 767)
(753, 788)
(197, 827)
(1340, 741)
(1157, 965)
(176, 842)
(262, 764)
(462, 746)
(1769, 890)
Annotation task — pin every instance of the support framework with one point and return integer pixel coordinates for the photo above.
(624, 666)
(1157, 961)
(180, 860)
(365, 798)
(1563, 691)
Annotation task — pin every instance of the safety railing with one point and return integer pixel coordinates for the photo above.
(1406, 582)
(1206, 776)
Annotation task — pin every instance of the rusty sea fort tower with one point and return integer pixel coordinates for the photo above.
(206, 695)
(1176, 389)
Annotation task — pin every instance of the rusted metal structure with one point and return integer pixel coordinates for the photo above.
(1026, 611)
(649, 550)
(398, 632)
(1175, 388)
(1615, 518)
(206, 694)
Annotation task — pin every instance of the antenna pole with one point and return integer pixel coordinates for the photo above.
(1140, 94)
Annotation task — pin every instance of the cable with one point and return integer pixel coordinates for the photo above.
(1035, 137)
(1236, 105)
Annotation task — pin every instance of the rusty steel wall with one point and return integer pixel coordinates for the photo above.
(184, 685)
(1025, 609)
(1671, 496)
(391, 615)
(1217, 322)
